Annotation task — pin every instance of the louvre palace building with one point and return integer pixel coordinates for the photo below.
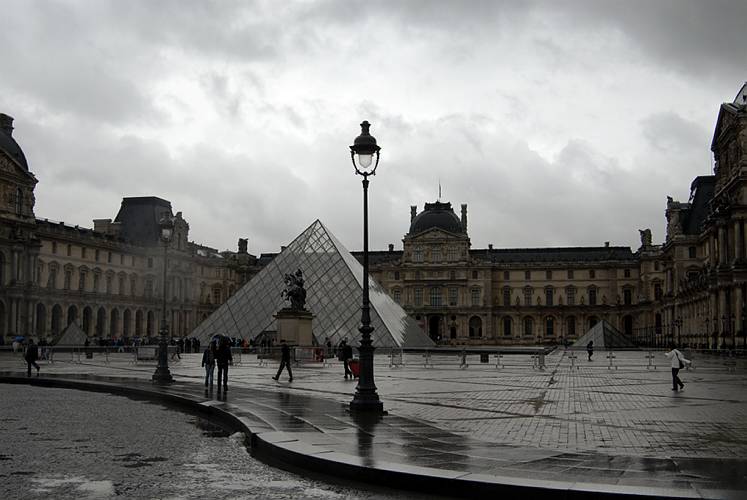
(691, 288)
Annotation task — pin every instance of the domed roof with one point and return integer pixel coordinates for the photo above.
(8, 145)
(439, 216)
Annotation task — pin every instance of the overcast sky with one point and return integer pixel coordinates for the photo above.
(558, 123)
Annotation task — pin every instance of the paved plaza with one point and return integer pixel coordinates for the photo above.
(577, 426)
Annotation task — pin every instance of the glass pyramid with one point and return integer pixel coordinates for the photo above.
(334, 290)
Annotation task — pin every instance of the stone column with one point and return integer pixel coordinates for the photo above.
(721, 245)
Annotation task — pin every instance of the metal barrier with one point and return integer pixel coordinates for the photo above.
(308, 355)
(427, 359)
(650, 357)
(463, 360)
(611, 356)
(538, 361)
(573, 357)
(395, 358)
(498, 360)
(236, 353)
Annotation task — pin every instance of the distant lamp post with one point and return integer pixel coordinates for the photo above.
(162, 374)
(678, 325)
(733, 331)
(366, 399)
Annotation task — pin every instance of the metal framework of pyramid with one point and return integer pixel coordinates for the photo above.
(334, 289)
(605, 336)
(71, 335)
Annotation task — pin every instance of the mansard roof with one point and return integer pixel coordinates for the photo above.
(701, 193)
(139, 218)
(553, 255)
(436, 215)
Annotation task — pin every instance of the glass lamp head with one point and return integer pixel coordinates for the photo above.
(365, 147)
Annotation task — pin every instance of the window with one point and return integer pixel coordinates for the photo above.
(121, 259)
(475, 275)
(570, 296)
(475, 327)
(506, 296)
(626, 273)
(148, 292)
(656, 265)
(476, 299)
(548, 296)
(397, 295)
(418, 275)
(68, 279)
(97, 254)
(133, 286)
(54, 247)
(82, 281)
(150, 261)
(96, 280)
(592, 274)
(570, 274)
(435, 254)
(436, 296)
(417, 255)
(418, 296)
(109, 257)
(396, 275)
(528, 296)
(691, 252)
(132, 261)
(527, 275)
(453, 294)
(121, 285)
(570, 326)
(216, 295)
(506, 327)
(549, 327)
(528, 327)
(52, 279)
(109, 281)
(83, 252)
(592, 296)
(69, 250)
(451, 254)
(627, 296)
(657, 291)
(452, 275)
(19, 201)
(548, 274)
(506, 275)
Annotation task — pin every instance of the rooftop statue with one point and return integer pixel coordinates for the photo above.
(294, 291)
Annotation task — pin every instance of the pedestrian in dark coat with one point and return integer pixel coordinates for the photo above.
(32, 354)
(208, 361)
(347, 355)
(223, 358)
(285, 361)
(590, 349)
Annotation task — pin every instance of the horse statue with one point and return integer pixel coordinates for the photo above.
(294, 290)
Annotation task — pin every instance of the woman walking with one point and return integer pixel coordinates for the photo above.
(678, 363)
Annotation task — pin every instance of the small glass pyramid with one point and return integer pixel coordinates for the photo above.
(333, 280)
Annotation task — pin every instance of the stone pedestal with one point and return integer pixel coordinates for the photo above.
(295, 327)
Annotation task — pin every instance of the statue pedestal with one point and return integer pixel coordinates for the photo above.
(295, 327)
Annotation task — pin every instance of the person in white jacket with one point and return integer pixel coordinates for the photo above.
(676, 356)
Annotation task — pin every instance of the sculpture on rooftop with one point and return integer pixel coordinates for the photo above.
(294, 290)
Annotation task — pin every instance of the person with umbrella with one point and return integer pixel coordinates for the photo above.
(32, 354)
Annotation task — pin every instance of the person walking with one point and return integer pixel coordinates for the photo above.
(347, 355)
(590, 349)
(285, 361)
(678, 363)
(208, 361)
(223, 358)
(32, 354)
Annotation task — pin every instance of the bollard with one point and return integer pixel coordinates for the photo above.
(498, 358)
(651, 358)
(573, 358)
(611, 356)
(463, 362)
(427, 359)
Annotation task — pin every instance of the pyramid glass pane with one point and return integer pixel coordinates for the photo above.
(333, 280)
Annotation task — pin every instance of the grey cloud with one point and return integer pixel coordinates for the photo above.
(669, 132)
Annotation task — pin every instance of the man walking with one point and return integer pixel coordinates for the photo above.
(208, 361)
(285, 361)
(347, 355)
(223, 358)
(32, 354)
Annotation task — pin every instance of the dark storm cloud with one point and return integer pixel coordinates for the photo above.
(669, 132)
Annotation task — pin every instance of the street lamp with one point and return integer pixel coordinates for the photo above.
(678, 324)
(366, 399)
(162, 374)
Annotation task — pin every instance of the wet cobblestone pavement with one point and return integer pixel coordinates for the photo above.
(69, 444)
(574, 425)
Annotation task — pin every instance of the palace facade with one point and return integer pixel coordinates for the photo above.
(692, 288)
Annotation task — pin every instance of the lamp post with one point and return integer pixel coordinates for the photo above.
(678, 325)
(733, 332)
(162, 374)
(366, 399)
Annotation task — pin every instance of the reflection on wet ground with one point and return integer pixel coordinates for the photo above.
(67, 444)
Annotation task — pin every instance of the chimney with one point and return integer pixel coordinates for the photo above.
(606, 244)
(464, 217)
(391, 247)
(6, 124)
(490, 246)
(413, 212)
(282, 247)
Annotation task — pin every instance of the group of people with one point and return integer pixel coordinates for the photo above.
(217, 353)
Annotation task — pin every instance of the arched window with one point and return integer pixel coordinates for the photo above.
(397, 295)
(570, 326)
(549, 327)
(528, 296)
(549, 292)
(570, 295)
(506, 326)
(475, 327)
(476, 297)
(592, 296)
(506, 296)
(19, 201)
(528, 327)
